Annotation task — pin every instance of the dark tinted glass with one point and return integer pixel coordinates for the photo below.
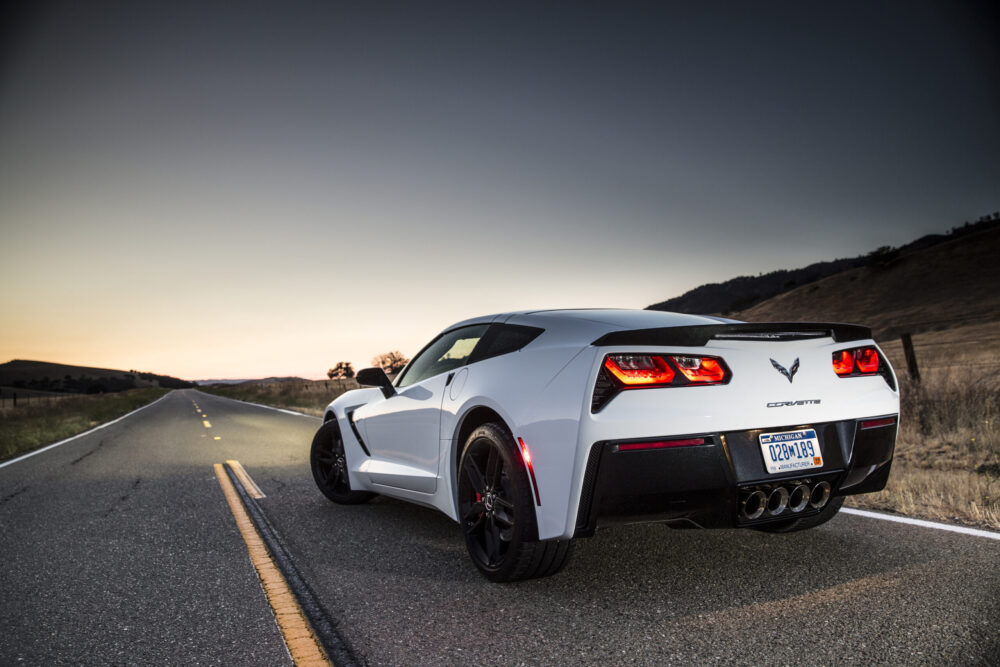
(504, 338)
(445, 353)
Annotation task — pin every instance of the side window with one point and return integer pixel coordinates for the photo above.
(446, 352)
(503, 339)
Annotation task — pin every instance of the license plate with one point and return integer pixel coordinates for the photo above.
(791, 450)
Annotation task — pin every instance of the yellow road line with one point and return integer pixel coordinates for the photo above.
(206, 423)
(251, 487)
(298, 634)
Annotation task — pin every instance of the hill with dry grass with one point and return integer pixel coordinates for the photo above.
(941, 287)
(44, 376)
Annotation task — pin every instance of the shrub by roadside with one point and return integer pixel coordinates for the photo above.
(947, 462)
(37, 423)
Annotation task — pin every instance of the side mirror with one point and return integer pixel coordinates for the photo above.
(376, 377)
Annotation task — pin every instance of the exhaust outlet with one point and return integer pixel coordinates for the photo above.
(798, 499)
(753, 505)
(820, 495)
(777, 501)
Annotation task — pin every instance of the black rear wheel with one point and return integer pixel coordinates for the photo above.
(496, 510)
(329, 467)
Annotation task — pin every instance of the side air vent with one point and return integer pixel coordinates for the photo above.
(357, 434)
(604, 390)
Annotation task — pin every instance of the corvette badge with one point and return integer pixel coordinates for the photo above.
(787, 372)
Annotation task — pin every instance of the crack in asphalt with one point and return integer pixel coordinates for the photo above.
(15, 494)
(122, 498)
(82, 457)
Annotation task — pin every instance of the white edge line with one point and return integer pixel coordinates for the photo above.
(80, 435)
(922, 523)
(261, 405)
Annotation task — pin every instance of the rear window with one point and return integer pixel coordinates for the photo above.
(504, 339)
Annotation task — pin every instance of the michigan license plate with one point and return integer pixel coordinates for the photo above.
(791, 450)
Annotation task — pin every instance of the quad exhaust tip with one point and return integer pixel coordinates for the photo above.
(820, 495)
(754, 504)
(798, 499)
(779, 499)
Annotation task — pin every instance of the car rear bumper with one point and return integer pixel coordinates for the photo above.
(707, 485)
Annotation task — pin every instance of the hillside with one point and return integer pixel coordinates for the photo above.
(52, 377)
(744, 292)
(268, 380)
(946, 285)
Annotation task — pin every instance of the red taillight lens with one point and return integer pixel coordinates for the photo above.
(639, 369)
(700, 370)
(867, 360)
(843, 362)
(625, 370)
(859, 361)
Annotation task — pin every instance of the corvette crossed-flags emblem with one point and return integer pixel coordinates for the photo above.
(787, 372)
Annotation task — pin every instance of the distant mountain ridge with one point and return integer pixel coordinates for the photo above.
(268, 380)
(48, 376)
(942, 286)
(744, 292)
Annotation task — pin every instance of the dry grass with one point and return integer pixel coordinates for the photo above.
(39, 422)
(947, 462)
(306, 396)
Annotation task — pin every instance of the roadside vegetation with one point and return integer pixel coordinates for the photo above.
(307, 396)
(947, 462)
(44, 420)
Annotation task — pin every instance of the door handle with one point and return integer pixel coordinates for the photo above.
(451, 376)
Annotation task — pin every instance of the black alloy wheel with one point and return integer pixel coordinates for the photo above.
(329, 467)
(488, 511)
(496, 511)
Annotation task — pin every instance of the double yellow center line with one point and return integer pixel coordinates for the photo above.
(299, 636)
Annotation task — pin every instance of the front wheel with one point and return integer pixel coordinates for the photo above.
(329, 467)
(496, 510)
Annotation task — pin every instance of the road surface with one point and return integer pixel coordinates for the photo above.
(119, 547)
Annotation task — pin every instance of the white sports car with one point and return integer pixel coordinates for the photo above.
(533, 428)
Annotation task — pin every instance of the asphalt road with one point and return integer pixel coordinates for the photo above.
(119, 548)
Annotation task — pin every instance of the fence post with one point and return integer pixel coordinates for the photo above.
(911, 357)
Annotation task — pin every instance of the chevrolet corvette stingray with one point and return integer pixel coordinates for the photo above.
(533, 428)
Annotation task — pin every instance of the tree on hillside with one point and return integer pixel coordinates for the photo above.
(390, 362)
(343, 369)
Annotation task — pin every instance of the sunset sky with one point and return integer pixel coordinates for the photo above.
(250, 189)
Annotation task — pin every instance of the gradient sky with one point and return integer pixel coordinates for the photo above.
(248, 189)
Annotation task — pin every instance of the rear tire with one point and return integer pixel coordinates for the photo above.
(795, 525)
(329, 467)
(497, 514)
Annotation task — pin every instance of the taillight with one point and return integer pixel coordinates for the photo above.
(636, 371)
(843, 362)
(639, 369)
(857, 361)
(867, 360)
(700, 370)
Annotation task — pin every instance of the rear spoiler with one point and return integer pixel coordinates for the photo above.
(696, 336)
